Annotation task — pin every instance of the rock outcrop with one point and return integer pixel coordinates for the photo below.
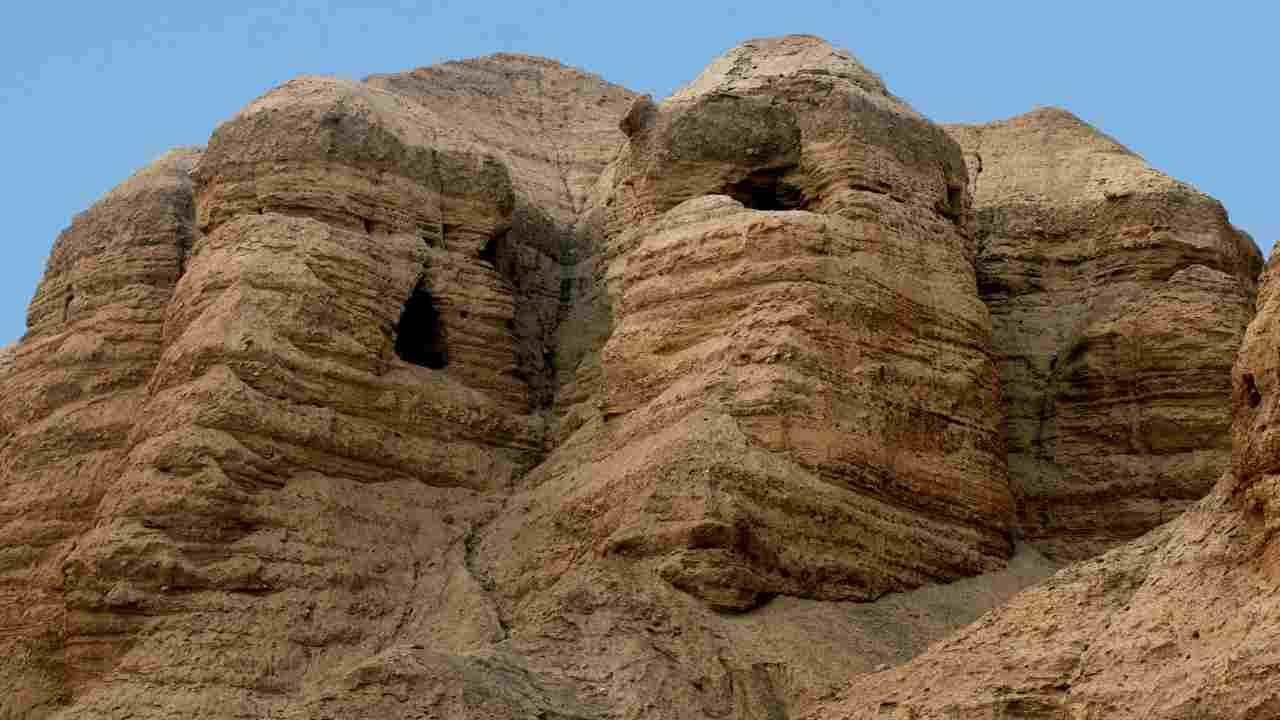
(554, 129)
(1118, 298)
(492, 389)
(68, 402)
(1179, 624)
(796, 396)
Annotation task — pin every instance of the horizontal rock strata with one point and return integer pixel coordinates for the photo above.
(796, 396)
(492, 389)
(1118, 297)
(71, 393)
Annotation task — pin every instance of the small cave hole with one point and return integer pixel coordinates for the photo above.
(421, 334)
(1255, 397)
(496, 253)
(955, 201)
(66, 307)
(765, 190)
(489, 253)
(368, 226)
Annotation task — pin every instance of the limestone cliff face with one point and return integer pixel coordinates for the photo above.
(796, 396)
(1178, 624)
(70, 395)
(493, 390)
(337, 403)
(555, 129)
(1118, 297)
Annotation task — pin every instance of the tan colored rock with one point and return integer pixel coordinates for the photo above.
(336, 395)
(70, 394)
(819, 353)
(1177, 624)
(727, 444)
(337, 401)
(555, 128)
(492, 390)
(1118, 298)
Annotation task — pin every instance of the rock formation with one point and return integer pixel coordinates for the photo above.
(495, 390)
(796, 396)
(1179, 624)
(68, 403)
(1118, 297)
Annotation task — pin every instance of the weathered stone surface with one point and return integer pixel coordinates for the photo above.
(554, 128)
(69, 396)
(291, 476)
(1118, 297)
(1178, 624)
(792, 402)
(493, 390)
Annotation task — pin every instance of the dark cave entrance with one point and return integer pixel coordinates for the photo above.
(765, 190)
(1251, 388)
(420, 338)
(489, 253)
(496, 253)
(955, 202)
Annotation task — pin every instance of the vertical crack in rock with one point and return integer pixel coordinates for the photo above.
(482, 579)
(406, 613)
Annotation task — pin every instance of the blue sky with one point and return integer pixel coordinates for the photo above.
(90, 92)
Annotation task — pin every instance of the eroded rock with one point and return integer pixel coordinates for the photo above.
(71, 393)
(1118, 296)
(492, 389)
(795, 336)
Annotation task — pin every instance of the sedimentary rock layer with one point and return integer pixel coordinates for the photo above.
(336, 395)
(1118, 298)
(554, 128)
(71, 392)
(796, 396)
(1178, 624)
(492, 390)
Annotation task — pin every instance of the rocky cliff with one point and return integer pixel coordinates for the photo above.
(1118, 297)
(495, 390)
(71, 394)
(1178, 624)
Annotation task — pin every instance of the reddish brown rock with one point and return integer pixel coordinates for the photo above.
(70, 394)
(1177, 624)
(1118, 297)
(490, 390)
(791, 401)
(554, 128)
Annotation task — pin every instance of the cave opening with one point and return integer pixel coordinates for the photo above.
(496, 254)
(420, 336)
(1255, 397)
(955, 202)
(765, 190)
(489, 253)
